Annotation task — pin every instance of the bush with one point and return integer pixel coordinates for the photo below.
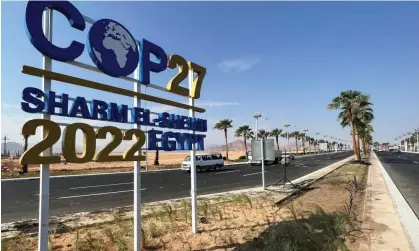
(242, 157)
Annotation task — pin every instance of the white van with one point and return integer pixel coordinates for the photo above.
(203, 162)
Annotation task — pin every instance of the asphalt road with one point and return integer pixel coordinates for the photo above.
(403, 169)
(89, 193)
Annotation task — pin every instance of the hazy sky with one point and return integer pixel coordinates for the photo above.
(284, 59)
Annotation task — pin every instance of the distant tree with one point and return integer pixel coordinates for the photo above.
(296, 135)
(276, 133)
(223, 125)
(263, 134)
(246, 133)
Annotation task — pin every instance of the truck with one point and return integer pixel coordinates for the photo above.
(323, 147)
(276, 160)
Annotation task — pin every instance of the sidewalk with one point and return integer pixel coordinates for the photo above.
(380, 213)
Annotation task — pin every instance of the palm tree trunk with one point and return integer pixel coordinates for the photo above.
(225, 134)
(358, 149)
(245, 145)
(354, 144)
(25, 166)
(364, 145)
(296, 144)
(277, 145)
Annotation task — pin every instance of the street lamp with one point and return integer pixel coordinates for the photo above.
(304, 140)
(257, 115)
(317, 142)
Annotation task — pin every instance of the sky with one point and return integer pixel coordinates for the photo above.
(286, 60)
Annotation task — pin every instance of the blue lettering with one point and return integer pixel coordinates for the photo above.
(31, 95)
(80, 106)
(99, 109)
(51, 103)
(147, 65)
(168, 145)
(140, 116)
(117, 113)
(34, 11)
(153, 140)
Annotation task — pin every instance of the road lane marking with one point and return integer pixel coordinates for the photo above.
(253, 173)
(107, 185)
(97, 194)
(404, 158)
(415, 162)
(316, 160)
(228, 172)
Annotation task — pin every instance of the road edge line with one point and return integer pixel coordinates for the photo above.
(407, 217)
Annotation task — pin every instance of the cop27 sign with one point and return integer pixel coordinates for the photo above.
(116, 53)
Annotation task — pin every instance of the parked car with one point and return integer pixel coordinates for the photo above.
(213, 161)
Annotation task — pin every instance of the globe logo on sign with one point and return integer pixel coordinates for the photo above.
(112, 48)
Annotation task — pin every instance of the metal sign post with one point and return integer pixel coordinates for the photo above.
(193, 164)
(263, 163)
(44, 175)
(137, 176)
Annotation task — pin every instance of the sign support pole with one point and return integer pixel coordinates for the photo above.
(137, 175)
(263, 163)
(193, 163)
(44, 175)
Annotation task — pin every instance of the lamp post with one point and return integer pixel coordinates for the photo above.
(288, 138)
(317, 142)
(304, 140)
(257, 115)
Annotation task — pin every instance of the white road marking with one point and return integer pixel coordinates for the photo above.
(415, 162)
(107, 185)
(161, 187)
(404, 158)
(228, 172)
(304, 166)
(316, 160)
(97, 194)
(253, 173)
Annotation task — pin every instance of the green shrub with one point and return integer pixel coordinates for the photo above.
(242, 157)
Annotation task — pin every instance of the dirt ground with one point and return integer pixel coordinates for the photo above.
(323, 216)
(166, 160)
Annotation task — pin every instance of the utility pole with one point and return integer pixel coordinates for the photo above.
(5, 139)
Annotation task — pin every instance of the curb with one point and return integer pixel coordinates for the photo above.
(406, 215)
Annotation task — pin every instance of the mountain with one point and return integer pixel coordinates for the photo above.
(12, 147)
(237, 145)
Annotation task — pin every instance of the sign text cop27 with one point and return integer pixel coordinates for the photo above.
(124, 60)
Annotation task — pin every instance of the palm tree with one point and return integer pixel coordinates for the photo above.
(263, 134)
(363, 117)
(276, 133)
(296, 135)
(223, 125)
(347, 102)
(302, 137)
(246, 133)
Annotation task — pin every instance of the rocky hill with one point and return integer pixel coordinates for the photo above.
(237, 145)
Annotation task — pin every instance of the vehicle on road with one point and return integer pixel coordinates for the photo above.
(395, 150)
(288, 156)
(276, 160)
(212, 161)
